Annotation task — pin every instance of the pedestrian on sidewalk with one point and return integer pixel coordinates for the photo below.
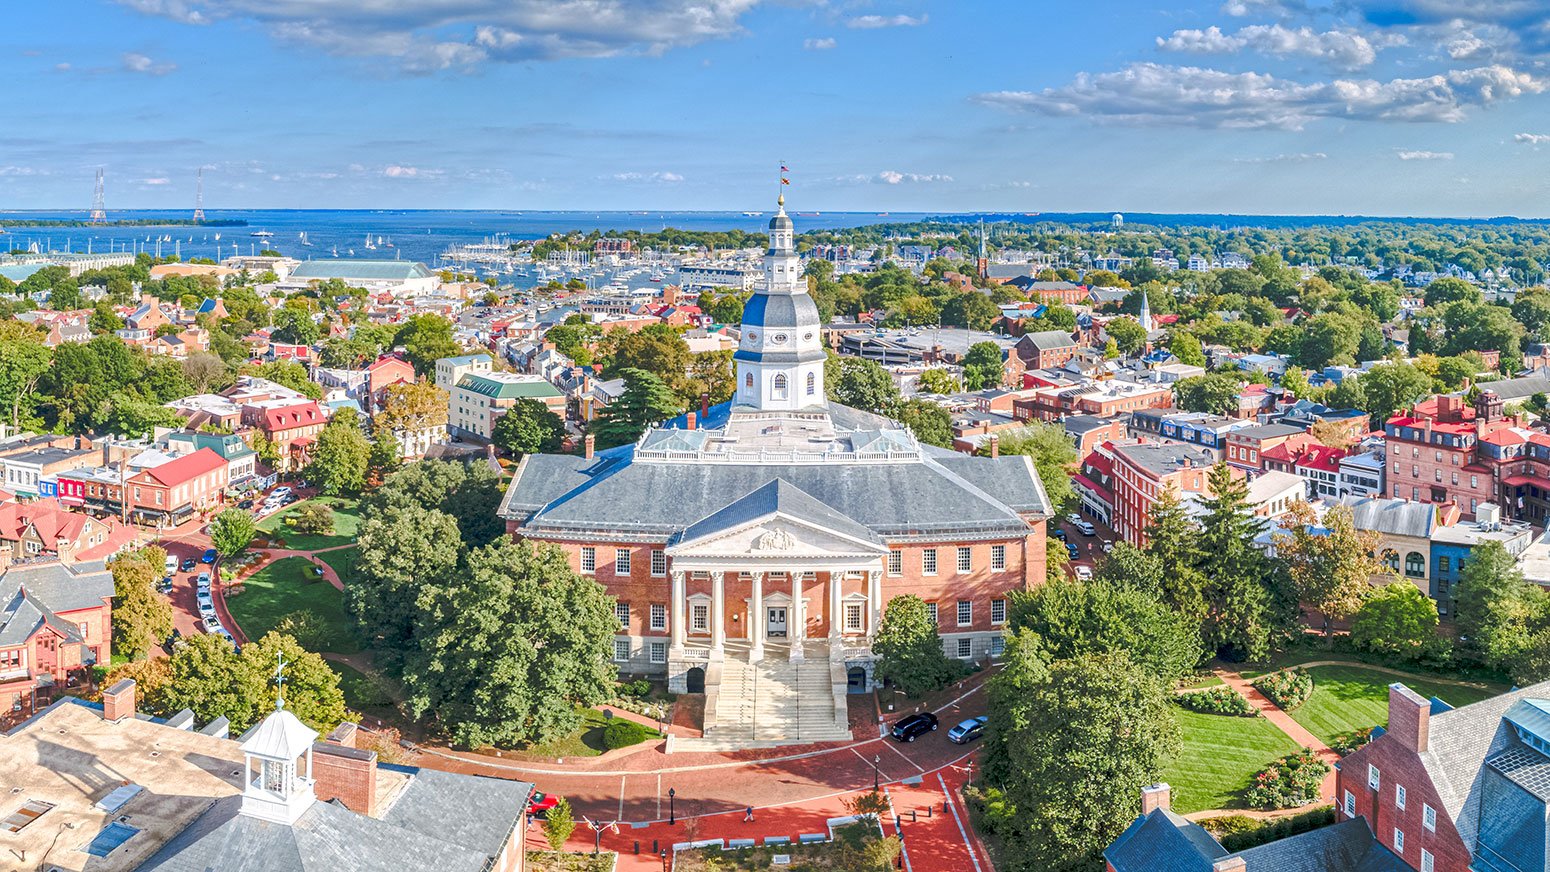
(749, 816)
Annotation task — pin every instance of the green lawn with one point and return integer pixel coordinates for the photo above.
(287, 586)
(361, 691)
(1221, 754)
(587, 741)
(1349, 698)
(346, 520)
(343, 561)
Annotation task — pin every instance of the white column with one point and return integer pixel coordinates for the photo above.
(797, 619)
(874, 598)
(836, 585)
(678, 617)
(757, 621)
(718, 600)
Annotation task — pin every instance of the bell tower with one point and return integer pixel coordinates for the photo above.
(780, 356)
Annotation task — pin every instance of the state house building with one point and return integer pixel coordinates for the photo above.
(752, 548)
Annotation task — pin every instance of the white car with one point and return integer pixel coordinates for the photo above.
(1107, 546)
(206, 604)
(1086, 529)
(212, 624)
(281, 491)
(1073, 518)
(172, 564)
(203, 584)
(1084, 573)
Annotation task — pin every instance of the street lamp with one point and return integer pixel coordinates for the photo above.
(876, 770)
(671, 819)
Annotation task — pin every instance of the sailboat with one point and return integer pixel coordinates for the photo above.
(369, 246)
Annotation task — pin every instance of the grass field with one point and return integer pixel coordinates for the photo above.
(346, 520)
(587, 741)
(343, 561)
(1220, 755)
(1352, 698)
(287, 586)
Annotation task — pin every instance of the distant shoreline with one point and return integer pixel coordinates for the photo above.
(123, 222)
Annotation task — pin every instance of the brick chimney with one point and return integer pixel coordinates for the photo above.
(1410, 718)
(705, 405)
(1230, 864)
(995, 446)
(589, 446)
(345, 773)
(693, 420)
(118, 701)
(1156, 796)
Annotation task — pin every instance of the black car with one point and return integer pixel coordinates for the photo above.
(189, 563)
(245, 504)
(914, 725)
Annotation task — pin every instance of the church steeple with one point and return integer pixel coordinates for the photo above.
(780, 357)
(1146, 312)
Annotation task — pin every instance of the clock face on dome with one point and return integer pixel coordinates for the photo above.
(778, 339)
(806, 336)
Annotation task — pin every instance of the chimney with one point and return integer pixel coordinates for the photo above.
(1410, 718)
(995, 446)
(1230, 864)
(589, 446)
(694, 420)
(346, 774)
(345, 734)
(1156, 796)
(118, 701)
(705, 405)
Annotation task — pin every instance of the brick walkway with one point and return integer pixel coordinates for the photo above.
(1283, 722)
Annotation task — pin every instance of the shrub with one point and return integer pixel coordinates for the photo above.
(314, 518)
(1218, 701)
(1289, 782)
(638, 689)
(1288, 689)
(1240, 832)
(1347, 743)
(622, 733)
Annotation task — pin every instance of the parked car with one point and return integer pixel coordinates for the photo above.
(1085, 573)
(165, 585)
(211, 623)
(206, 603)
(967, 731)
(914, 725)
(246, 504)
(282, 490)
(203, 583)
(1074, 518)
(172, 564)
(1072, 551)
(1059, 533)
(1107, 546)
(209, 556)
(188, 564)
(1086, 529)
(541, 803)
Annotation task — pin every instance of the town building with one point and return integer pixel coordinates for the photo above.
(478, 400)
(1199, 429)
(450, 370)
(102, 787)
(774, 529)
(1142, 471)
(241, 461)
(1045, 348)
(401, 278)
(56, 621)
(290, 425)
(165, 493)
(46, 530)
(1247, 446)
(1436, 455)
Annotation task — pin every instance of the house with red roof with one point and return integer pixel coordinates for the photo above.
(46, 529)
(1445, 451)
(289, 425)
(386, 371)
(175, 490)
(1319, 466)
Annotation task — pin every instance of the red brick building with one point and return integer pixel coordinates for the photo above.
(56, 622)
(1045, 349)
(1141, 472)
(1445, 451)
(290, 425)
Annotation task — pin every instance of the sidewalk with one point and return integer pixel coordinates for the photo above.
(1283, 722)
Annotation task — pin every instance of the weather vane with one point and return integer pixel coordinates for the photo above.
(279, 680)
(783, 182)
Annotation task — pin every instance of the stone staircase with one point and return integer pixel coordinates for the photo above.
(774, 702)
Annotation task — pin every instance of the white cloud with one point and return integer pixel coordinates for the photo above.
(660, 177)
(443, 34)
(159, 180)
(872, 22)
(62, 67)
(135, 62)
(1532, 138)
(1160, 95)
(398, 171)
(1405, 154)
(1298, 157)
(893, 177)
(819, 43)
(1342, 48)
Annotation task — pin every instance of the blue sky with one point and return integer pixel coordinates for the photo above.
(1416, 107)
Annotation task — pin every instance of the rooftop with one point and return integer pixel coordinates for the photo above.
(363, 270)
(508, 385)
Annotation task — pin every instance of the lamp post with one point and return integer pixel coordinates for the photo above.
(671, 818)
(876, 770)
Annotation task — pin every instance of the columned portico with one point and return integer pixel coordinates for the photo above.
(798, 617)
(718, 610)
(758, 622)
(679, 620)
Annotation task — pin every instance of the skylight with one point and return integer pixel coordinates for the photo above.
(18, 820)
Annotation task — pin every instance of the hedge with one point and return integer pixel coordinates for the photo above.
(1288, 689)
(1218, 701)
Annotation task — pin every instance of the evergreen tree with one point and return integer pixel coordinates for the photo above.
(645, 401)
(1173, 540)
(1240, 607)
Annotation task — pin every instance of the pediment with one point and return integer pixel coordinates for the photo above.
(777, 537)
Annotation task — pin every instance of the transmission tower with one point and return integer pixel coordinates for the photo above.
(99, 209)
(199, 198)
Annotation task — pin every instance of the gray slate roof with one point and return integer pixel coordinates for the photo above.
(1163, 840)
(776, 496)
(1393, 517)
(57, 587)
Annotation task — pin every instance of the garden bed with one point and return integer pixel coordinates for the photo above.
(1290, 782)
(855, 847)
(585, 741)
(1288, 688)
(1218, 701)
(556, 861)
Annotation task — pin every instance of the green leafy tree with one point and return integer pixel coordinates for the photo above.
(1397, 620)
(231, 531)
(1329, 338)
(1389, 387)
(1214, 392)
(427, 338)
(1186, 347)
(209, 677)
(405, 549)
(972, 310)
(1054, 458)
(859, 384)
(511, 646)
(385, 457)
(1075, 618)
(288, 373)
(1130, 567)
(1329, 561)
(1127, 333)
(930, 423)
(982, 366)
(1451, 290)
(1499, 613)
(938, 381)
(141, 618)
(528, 427)
(644, 402)
(909, 651)
(311, 688)
(315, 518)
(469, 492)
(340, 457)
(558, 824)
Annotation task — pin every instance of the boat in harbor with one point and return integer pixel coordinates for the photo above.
(261, 234)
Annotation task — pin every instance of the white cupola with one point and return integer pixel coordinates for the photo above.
(780, 356)
(275, 787)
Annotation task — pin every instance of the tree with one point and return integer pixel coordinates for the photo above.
(1214, 392)
(1498, 612)
(1397, 619)
(1173, 540)
(1053, 458)
(469, 492)
(1241, 618)
(295, 326)
(1079, 746)
(206, 371)
(288, 373)
(141, 618)
(659, 349)
(859, 384)
(1372, 345)
(404, 549)
(982, 366)
(314, 518)
(1451, 290)
(386, 455)
(426, 338)
(411, 407)
(511, 646)
(1389, 387)
(930, 423)
(972, 310)
(645, 401)
(311, 688)
(129, 415)
(1186, 348)
(937, 381)
(1074, 618)
(23, 361)
(209, 677)
(558, 824)
(231, 531)
(1127, 333)
(1329, 338)
(340, 457)
(1330, 562)
(1131, 567)
(909, 651)
(528, 427)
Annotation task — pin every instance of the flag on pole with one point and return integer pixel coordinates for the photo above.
(784, 168)
(785, 181)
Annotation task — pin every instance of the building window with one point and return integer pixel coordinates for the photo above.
(1415, 565)
(998, 611)
(622, 612)
(965, 560)
(658, 616)
(1455, 479)
(965, 613)
(748, 380)
(998, 557)
(895, 562)
(621, 561)
(812, 384)
(1391, 560)
(1474, 481)
(853, 613)
(1442, 564)
(778, 386)
(699, 618)
(1399, 841)
(1427, 863)
(1399, 797)
(997, 646)
(928, 561)
(588, 558)
(931, 613)
(658, 562)
(965, 648)
(1373, 779)
(1429, 818)
(1350, 804)
(621, 649)
(658, 652)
